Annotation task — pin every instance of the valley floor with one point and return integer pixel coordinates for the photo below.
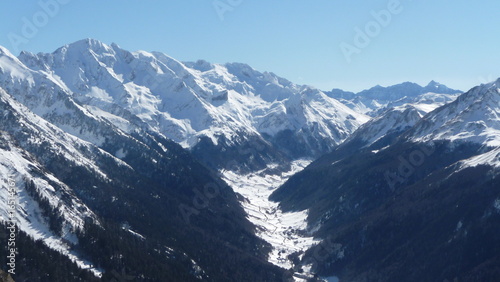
(286, 232)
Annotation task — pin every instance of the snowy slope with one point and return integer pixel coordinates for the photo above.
(473, 117)
(399, 116)
(83, 103)
(490, 158)
(185, 101)
(392, 121)
(28, 216)
(424, 103)
(349, 189)
(45, 95)
(69, 144)
(36, 151)
(21, 131)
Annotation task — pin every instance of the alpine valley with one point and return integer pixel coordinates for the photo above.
(134, 166)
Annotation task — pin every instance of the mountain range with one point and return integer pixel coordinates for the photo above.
(134, 164)
(205, 107)
(375, 99)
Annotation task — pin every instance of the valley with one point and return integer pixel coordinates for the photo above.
(108, 150)
(287, 232)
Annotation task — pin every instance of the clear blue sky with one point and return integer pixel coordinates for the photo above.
(453, 42)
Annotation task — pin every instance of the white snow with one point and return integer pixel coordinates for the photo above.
(378, 99)
(11, 66)
(473, 117)
(182, 101)
(136, 234)
(97, 93)
(14, 160)
(118, 121)
(394, 119)
(491, 158)
(28, 214)
(280, 229)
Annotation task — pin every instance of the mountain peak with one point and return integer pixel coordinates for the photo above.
(202, 65)
(115, 46)
(5, 52)
(488, 86)
(392, 92)
(497, 82)
(88, 44)
(473, 117)
(491, 90)
(479, 91)
(435, 86)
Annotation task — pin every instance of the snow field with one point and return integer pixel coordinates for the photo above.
(287, 232)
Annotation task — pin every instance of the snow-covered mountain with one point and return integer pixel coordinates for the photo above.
(104, 146)
(222, 106)
(89, 120)
(22, 136)
(424, 103)
(397, 117)
(392, 121)
(490, 159)
(72, 194)
(377, 99)
(474, 117)
(404, 184)
(84, 176)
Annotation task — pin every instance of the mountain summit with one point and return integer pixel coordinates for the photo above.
(473, 117)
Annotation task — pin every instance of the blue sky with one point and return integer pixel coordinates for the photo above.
(453, 42)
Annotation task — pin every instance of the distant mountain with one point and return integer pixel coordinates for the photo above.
(407, 89)
(380, 130)
(219, 112)
(391, 121)
(371, 101)
(473, 117)
(405, 193)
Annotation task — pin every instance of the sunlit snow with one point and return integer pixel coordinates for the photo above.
(280, 229)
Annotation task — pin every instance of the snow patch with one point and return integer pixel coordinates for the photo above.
(28, 213)
(121, 154)
(496, 205)
(491, 158)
